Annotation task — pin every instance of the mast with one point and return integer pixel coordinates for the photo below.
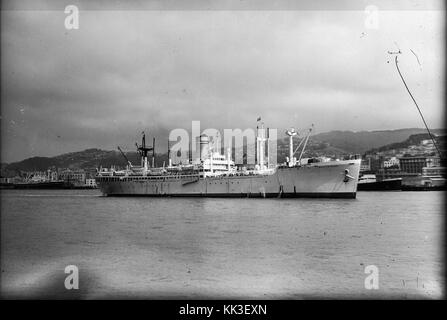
(143, 150)
(268, 148)
(256, 145)
(291, 133)
(190, 152)
(261, 142)
(210, 154)
(169, 156)
(153, 152)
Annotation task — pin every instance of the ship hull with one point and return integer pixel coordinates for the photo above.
(385, 185)
(40, 185)
(345, 195)
(319, 180)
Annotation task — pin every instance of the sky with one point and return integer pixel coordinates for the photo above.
(132, 70)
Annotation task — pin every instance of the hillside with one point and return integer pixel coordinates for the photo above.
(89, 159)
(414, 139)
(359, 142)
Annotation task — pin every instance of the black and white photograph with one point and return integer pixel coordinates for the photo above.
(222, 150)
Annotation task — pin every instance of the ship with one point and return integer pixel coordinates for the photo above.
(213, 174)
(369, 182)
(39, 180)
(39, 185)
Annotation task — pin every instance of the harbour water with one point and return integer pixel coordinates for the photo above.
(221, 248)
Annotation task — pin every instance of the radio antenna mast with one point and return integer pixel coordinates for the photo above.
(415, 103)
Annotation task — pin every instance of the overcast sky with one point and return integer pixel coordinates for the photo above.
(126, 71)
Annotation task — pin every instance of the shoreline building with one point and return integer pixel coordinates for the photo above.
(74, 177)
(413, 164)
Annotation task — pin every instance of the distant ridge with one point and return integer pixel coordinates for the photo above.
(362, 141)
(414, 139)
(331, 143)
